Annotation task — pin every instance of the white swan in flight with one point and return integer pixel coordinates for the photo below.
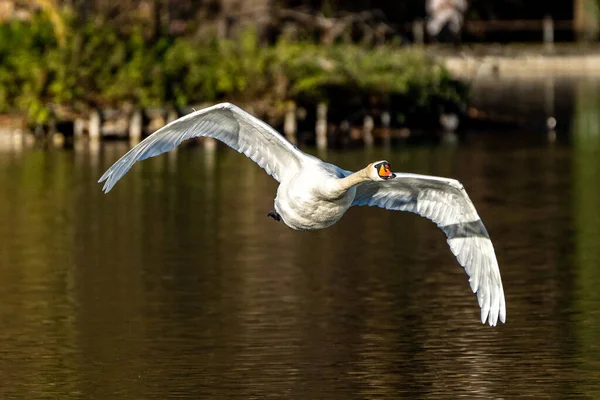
(313, 194)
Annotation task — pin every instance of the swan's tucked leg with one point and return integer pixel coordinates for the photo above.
(273, 214)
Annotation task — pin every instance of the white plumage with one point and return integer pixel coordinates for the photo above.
(313, 194)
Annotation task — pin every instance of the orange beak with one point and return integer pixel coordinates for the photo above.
(384, 171)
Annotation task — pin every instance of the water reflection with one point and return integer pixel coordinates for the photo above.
(176, 284)
(586, 201)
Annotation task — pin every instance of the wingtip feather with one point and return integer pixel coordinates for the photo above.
(106, 188)
(503, 309)
(104, 176)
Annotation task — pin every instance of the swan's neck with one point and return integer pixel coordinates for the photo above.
(344, 184)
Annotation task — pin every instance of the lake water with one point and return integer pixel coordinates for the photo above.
(177, 285)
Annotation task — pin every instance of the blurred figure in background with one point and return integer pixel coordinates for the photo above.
(445, 19)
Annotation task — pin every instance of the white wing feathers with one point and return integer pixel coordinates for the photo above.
(225, 122)
(445, 202)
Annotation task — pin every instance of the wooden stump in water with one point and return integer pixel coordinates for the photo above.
(386, 120)
(548, 33)
(210, 144)
(78, 128)
(289, 122)
(368, 130)
(321, 126)
(95, 124)
(418, 30)
(135, 127)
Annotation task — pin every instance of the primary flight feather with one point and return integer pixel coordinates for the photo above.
(313, 194)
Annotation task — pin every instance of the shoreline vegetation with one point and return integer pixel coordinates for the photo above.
(46, 78)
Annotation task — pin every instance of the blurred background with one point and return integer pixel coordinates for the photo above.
(177, 284)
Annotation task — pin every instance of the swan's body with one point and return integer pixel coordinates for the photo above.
(314, 195)
(311, 199)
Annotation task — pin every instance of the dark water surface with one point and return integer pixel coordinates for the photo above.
(177, 285)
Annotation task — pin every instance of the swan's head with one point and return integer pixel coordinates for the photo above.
(380, 171)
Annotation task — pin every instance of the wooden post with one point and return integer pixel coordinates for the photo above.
(16, 138)
(386, 120)
(135, 127)
(418, 30)
(210, 144)
(548, 33)
(368, 130)
(321, 126)
(289, 122)
(449, 121)
(210, 155)
(78, 128)
(586, 23)
(58, 139)
(94, 125)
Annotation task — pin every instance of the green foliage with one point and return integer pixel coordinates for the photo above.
(382, 70)
(24, 78)
(96, 65)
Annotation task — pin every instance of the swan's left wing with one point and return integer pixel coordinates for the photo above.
(445, 202)
(227, 123)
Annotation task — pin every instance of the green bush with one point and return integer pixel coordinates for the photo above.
(98, 66)
(380, 70)
(24, 76)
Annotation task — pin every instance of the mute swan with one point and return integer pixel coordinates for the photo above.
(313, 194)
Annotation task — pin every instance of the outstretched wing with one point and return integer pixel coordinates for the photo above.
(225, 122)
(445, 202)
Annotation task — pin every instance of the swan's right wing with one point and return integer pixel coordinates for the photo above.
(445, 202)
(225, 122)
